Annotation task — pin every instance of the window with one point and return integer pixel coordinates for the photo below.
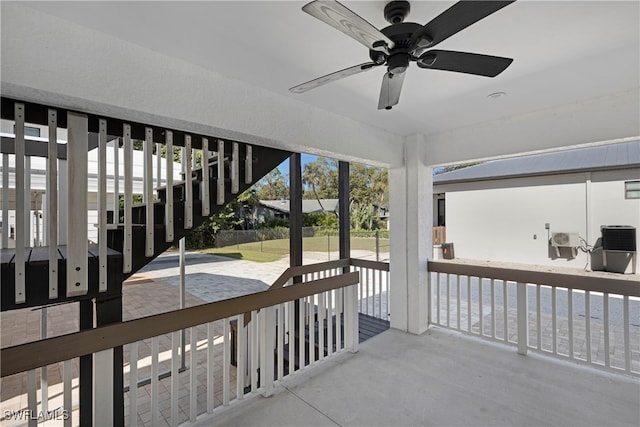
(29, 131)
(632, 190)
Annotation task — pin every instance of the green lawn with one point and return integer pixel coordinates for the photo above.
(272, 250)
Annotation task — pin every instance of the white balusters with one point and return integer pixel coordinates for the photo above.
(193, 375)
(523, 329)
(128, 198)
(188, 182)
(235, 168)
(5, 201)
(77, 261)
(205, 178)
(103, 371)
(248, 165)
(220, 178)
(102, 205)
(175, 379)
(148, 191)
(52, 203)
(133, 384)
(32, 397)
(20, 235)
(67, 392)
(241, 356)
(210, 368)
(168, 217)
(116, 181)
(155, 389)
(226, 362)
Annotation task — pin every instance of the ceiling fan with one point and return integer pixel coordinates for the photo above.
(403, 42)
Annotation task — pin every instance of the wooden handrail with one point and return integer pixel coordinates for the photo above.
(364, 263)
(598, 282)
(45, 352)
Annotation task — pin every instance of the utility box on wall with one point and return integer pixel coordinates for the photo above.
(616, 250)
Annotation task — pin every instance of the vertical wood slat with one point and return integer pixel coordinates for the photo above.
(52, 203)
(554, 321)
(210, 368)
(280, 340)
(291, 313)
(67, 392)
(469, 301)
(32, 398)
(27, 202)
(253, 339)
(116, 181)
(301, 334)
(235, 168)
(438, 299)
(193, 375)
(627, 344)
(538, 318)
(5, 201)
(248, 165)
(168, 217)
(133, 384)
(20, 237)
(505, 303)
(312, 335)
(448, 300)
(587, 323)
(322, 310)
(459, 297)
(188, 182)
(330, 322)
(206, 207)
(155, 389)
(480, 302)
(493, 309)
(176, 339)
(241, 344)
(570, 320)
(220, 179)
(267, 338)
(339, 323)
(148, 190)
(102, 205)
(226, 361)
(128, 195)
(77, 247)
(44, 378)
(380, 294)
(605, 321)
(522, 315)
(158, 166)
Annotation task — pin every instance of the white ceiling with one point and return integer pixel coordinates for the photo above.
(564, 52)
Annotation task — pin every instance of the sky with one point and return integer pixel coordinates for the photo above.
(304, 159)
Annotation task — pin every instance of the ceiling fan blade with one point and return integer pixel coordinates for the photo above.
(455, 19)
(463, 62)
(344, 19)
(312, 84)
(390, 91)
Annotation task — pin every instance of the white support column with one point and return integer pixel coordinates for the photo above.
(77, 263)
(411, 200)
(102, 206)
(52, 204)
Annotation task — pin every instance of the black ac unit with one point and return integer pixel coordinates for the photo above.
(618, 238)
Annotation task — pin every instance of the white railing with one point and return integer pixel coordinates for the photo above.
(373, 291)
(591, 318)
(268, 335)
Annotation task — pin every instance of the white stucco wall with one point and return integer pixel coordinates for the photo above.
(504, 220)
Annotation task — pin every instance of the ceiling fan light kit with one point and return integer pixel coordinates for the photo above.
(401, 43)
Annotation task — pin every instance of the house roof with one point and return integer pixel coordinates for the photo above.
(603, 157)
(308, 206)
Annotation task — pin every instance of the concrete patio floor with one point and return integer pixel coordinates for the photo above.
(442, 378)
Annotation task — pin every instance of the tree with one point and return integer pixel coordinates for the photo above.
(321, 179)
(273, 186)
(369, 188)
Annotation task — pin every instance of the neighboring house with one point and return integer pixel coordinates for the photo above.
(508, 210)
(280, 208)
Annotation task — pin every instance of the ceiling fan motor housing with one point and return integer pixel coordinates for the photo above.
(395, 12)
